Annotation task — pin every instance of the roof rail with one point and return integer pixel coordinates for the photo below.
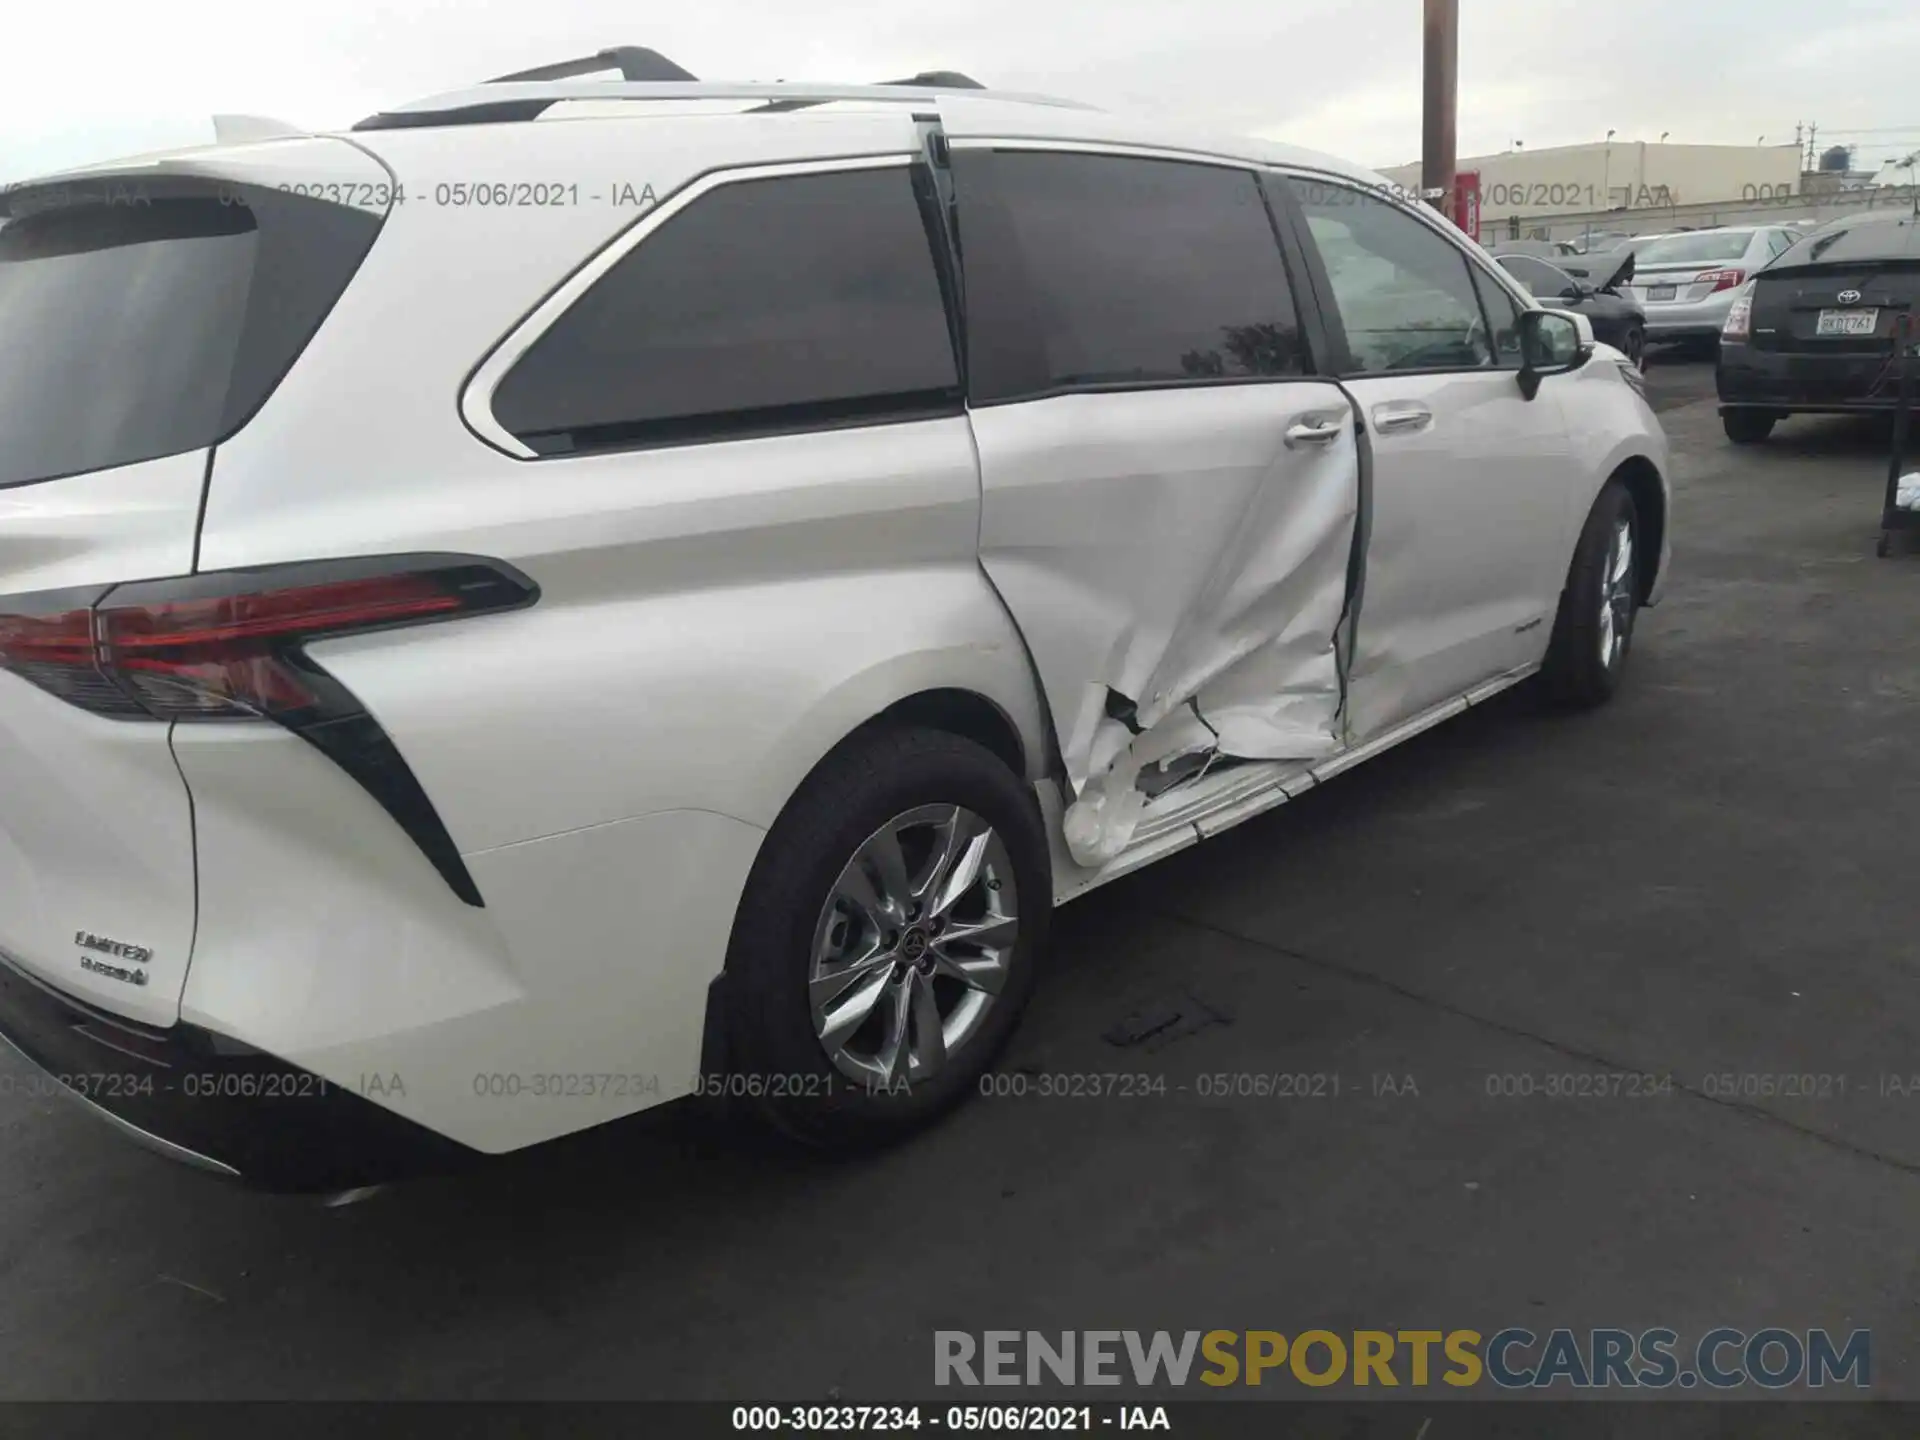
(940, 80)
(925, 80)
(637, 62)
(519, 98)
(634, 62)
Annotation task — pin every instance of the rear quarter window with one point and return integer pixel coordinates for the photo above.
(766, 306)
(1863, 239)
(1699, 249)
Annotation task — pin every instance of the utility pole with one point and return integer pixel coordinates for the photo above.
(1813, 146)
(1439, 73)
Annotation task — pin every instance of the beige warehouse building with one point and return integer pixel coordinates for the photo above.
(1535, 185)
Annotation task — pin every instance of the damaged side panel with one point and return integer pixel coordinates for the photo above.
(1180, 565)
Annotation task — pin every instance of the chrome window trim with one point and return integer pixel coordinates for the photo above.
(1120, 149)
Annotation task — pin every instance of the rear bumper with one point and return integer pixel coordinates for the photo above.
(1698, 321)
(1804, 384)
(199, 1098)
(1665, 334)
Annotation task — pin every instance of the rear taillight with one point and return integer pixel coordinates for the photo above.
(1739, 322)
(222, 658)
(231, 646)
(1720, 279)
(227, 646)
(50, 642)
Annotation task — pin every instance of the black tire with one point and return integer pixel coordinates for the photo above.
(773, 1056)
(1575, 675)
(1748, 427)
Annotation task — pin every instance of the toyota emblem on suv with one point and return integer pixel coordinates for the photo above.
(1847, 297)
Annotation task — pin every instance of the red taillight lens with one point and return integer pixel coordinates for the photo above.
(1720, 279)
(232, 646)
(220, 647)
(227, 620)
(65, 638)
(220, 658)
(53, 648)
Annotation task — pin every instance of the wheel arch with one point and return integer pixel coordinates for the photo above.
(983, 690)
(986, 715)
(956, 709)
(962, 712)
(1643, 482)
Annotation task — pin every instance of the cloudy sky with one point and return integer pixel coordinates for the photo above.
(99, 78)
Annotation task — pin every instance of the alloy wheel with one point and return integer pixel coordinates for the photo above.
(1616, 594)
(913, 946)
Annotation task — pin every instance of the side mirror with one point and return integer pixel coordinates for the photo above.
(1551, 343)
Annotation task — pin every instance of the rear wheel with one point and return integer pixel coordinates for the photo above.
(1748, 427)
(887, 940)
(1594, 628)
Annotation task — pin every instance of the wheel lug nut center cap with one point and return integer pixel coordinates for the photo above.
(913, 945)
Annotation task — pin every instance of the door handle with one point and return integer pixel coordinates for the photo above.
(1315, 430)
(1400, 416)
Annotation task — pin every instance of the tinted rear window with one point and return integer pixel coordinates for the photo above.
(146, 322)
(1695, 249)
(1537, 276)
(1866, 239)
(1098, 270)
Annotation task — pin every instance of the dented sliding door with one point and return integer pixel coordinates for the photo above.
(1169, 499)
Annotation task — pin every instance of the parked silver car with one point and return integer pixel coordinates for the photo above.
(1600, 242)
(1686, 282)
(1553, 250)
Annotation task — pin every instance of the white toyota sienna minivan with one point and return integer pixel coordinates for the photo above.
(577, 592)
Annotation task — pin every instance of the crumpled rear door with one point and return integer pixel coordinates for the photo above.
(1169, 497)
(1179, 571)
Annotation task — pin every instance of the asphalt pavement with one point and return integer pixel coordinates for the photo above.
(1711, 879)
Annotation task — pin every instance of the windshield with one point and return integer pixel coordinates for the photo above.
(1697, 248)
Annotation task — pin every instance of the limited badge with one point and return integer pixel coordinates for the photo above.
(136, 956)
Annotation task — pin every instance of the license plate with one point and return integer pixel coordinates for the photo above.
(1846, 322)
(1660, 292)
